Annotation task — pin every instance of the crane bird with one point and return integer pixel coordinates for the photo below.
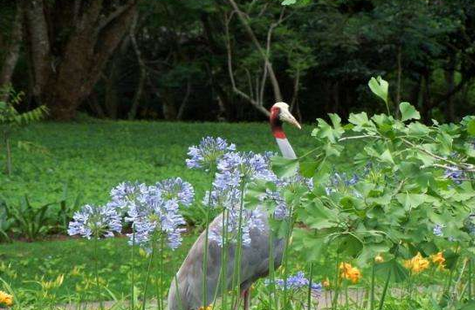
(255, 257)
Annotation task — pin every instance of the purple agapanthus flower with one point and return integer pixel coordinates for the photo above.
(455, 175)
(95, 222)
(177, 189)
(252, 220)
(124, 196)
(208, 152)
(296, 282)
(153, 216)
(234, 171)
(281, 210)
(153, 211)
(437, 230)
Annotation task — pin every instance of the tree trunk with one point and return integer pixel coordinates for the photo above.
(184, 103)
(66, 77)
(168, 106)
(142, 71)
(13, 51)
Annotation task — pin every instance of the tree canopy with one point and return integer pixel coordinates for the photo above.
(232, 59)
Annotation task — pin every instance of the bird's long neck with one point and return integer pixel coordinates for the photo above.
(280, 137)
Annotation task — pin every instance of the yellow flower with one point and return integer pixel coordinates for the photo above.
(206, 308)
(379, 258)
(326, 283)
(417, 264)
(349, 272)
(439, 260)
(6, 299)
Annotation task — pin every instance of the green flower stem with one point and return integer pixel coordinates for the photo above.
(385, 290)
(147, 279)
(469, 279)
(204, 281)
(132, 290)
(272, 291)
(224, 262)
(286, 255)
(96, 270)
(160, 276)
(205, 260)
(237, 266)
(309, 296)
(337, 284)
(371, 302)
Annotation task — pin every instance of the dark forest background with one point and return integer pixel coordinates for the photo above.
(230, 60)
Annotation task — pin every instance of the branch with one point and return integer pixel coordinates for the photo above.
(109, 18)
(253, 102)
(252, 36)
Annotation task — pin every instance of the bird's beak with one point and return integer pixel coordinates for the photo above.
(286, 116)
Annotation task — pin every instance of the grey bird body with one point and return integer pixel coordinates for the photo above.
(254, 265)
(255, 257)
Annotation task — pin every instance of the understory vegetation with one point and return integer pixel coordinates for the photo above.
(376, 213)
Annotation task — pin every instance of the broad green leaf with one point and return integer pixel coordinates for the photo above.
(284, 167)
(398, 272)
(379, 87)
(387, 157)
(411, 201)
(471, 127)
(408, 111)
(308, 168)
(418, 129)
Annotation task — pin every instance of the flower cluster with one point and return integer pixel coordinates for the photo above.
(95, 221)
(349, 272)
(297, 282)
(437, 230)
(124, 196)
(452, 173)
(154, 211)
(342, 180)
(6, 299)
(439, 260)
(417, 264)
(177, 189)
(280, 207)
(208, 152)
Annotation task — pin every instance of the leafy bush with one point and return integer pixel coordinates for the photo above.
(11, 118)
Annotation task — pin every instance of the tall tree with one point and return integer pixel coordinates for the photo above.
(68, 43)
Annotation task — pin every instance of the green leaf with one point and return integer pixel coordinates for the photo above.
(387, 157)
(379, 87)
(398, 272)
(289, 2)
(308, 168)
(471, 127)
(408, 111)
(284, 167)
(360, 119)
(411, 201)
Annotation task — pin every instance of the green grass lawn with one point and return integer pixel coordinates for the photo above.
(88, 159)
(28, 266)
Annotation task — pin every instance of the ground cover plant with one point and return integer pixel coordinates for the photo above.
(377, 214)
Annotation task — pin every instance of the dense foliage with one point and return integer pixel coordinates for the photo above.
(175, 60)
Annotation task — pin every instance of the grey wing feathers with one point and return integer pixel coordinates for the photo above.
(254, 265)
